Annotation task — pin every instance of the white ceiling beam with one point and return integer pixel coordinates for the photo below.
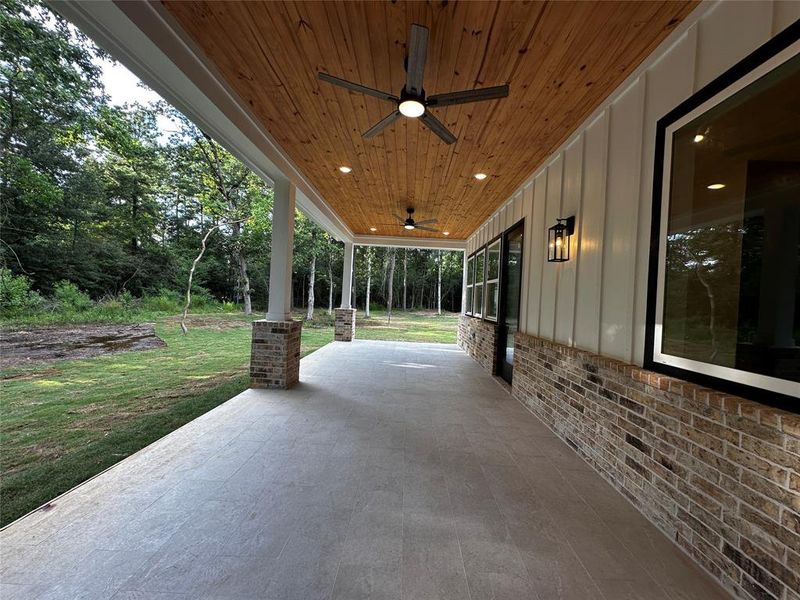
(409, 242)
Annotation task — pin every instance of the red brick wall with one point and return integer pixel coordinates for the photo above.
(479, 339)
(719, 474)
(344, 324)
(275, 354)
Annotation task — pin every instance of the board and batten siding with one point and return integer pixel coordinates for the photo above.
(603, 174)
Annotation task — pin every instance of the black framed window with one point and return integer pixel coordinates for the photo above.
(725, 265)
(492, 280)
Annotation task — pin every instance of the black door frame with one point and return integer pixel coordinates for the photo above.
(503, 369)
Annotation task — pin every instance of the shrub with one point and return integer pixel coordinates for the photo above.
(126, 299)
(165, 301)
(69, 296)
(201, 299)
(16, 294)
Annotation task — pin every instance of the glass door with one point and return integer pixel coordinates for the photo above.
(508, 317)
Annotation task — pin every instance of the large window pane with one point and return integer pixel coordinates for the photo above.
(493, 261)
(479, 267)
(731, 278)
(492, 299)
(477, 303)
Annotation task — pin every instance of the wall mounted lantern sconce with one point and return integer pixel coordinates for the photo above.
(558, 239)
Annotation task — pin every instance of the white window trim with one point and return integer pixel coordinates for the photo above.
(493, 280)
(470, 285)
(774, 384)
(482, 291)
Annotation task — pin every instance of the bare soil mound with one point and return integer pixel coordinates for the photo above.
(42, 344)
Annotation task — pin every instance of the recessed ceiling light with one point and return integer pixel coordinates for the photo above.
(411, 108)
(480, 176)
(445, 233)
(716, 186)
(345, 169)
(373, 229)
(699, 138)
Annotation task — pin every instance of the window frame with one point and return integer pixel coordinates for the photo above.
(482, 284)
(496, 280)
(764, 388)
(470, 285)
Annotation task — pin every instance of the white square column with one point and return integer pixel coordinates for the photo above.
(344, 326)
(280, 264)
(275, 347)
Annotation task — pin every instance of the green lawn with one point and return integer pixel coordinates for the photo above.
(67, 420)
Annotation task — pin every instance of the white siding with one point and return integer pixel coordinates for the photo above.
(603, 174)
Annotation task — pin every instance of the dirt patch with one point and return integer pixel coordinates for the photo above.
(43, 344)
(220, 323)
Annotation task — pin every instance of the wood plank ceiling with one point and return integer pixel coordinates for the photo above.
(561, 59)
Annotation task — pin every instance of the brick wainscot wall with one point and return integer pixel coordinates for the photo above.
(718, 474)
(479, 339)
(275, 354)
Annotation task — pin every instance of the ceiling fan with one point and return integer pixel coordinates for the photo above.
(412, 102)
(410, 224)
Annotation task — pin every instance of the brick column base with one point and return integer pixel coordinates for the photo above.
(344, 325)
(275, 354)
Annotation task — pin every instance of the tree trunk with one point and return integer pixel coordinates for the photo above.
(248, 306)
(439, 286)
(244, 280)
(330, 286)
(405, 273)
(369, 281)
(391, 285)
(311, 276)
(191, 276)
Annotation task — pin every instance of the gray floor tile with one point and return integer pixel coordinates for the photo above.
(362, 482)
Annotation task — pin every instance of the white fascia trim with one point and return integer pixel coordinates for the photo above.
(409, 242)
(145, 38)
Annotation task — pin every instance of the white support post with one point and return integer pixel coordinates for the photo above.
(347, 275)
(280, 265)
(464, 285)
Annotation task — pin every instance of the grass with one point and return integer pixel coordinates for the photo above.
(67, 420)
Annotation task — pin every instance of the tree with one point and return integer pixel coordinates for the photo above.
(439, 283)
(391, 285)
(369, 281)
(405, 273)
(49, 97)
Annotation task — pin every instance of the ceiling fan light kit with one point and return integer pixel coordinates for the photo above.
(410, 224)
(411, 102)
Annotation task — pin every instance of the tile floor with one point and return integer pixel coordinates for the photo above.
(393, 471)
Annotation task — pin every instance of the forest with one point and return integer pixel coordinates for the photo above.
(101, 205)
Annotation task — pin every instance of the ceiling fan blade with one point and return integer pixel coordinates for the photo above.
(465, 96)
(400, 219)
(437, 127)
(426, 228)
(427, 222)
(381, 125)
(415, 66)
(357, 87)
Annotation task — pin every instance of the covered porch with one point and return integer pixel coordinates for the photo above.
(341, 488)
(389, 470)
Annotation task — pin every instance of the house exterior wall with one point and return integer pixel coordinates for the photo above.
(717, 474)
(603, 174)
(479, 339)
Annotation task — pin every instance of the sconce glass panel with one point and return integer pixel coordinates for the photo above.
(558, 241)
